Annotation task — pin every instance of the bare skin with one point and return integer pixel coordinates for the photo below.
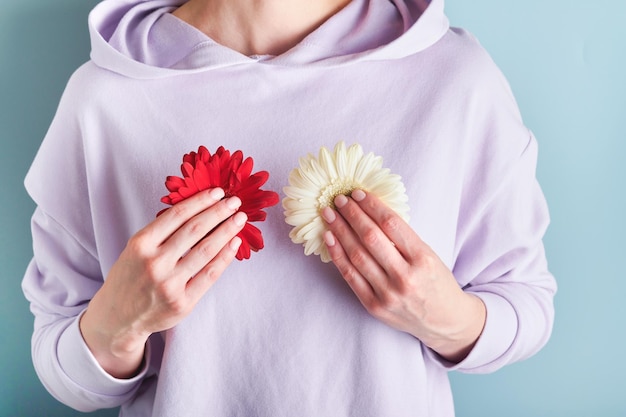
(160, 276)
(398, 278)
(152, 286)
(169, 265)
(258, 27)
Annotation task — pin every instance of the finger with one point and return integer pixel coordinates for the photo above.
(407, 242)
(359, 285)
(354, 254)
(371, 235)
(196, 228)
(204, 280)
(174, 217)
(208, 248)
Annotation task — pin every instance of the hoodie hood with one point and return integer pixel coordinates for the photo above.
(142, 39)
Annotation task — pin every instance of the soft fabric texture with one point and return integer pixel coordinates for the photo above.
(281, 334)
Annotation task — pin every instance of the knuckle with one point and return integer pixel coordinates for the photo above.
(181, 210)
(402, 276)
(177, 306)
(170, 297)
(405, 287)
(349, 274)
(196, 227)
(371, 237)
(351, 210)
(375, 307)
(211, 274)
(154, 268)
(391, 223)
(139, 243)
(387, 301)
(206, 249)
(425, 262)
(357, 256)
(391, 299)
(165, 291)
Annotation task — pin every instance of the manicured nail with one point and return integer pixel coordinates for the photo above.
(328, 214)
(233, 203)
(216, 193)
(358, 195)
(341, 200)
(240, 218)
(329, 238)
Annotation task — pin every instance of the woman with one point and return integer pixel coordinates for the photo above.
(152, 314)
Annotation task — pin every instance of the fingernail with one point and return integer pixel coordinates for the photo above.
(329, 239)
(328, 214)
(240, 218)
(216, 193)
(233, 203)
(341, 200)
(235, 243)
(358, 195)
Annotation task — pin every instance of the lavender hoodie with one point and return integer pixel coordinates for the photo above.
(281, 334)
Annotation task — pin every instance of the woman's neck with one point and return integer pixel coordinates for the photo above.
(258, 27)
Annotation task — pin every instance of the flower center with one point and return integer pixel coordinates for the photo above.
(332, 190)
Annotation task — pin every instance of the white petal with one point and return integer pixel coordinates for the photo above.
(298, 219)
(335, 172)
(299, 193)
(327, 164)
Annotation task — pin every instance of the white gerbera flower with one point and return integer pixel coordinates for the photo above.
(317, 182)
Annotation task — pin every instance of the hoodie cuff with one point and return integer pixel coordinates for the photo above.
(496, 338)
(81, 367)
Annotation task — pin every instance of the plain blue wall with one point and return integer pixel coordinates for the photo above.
(566, 61)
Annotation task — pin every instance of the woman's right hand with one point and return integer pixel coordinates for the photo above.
(160, 276)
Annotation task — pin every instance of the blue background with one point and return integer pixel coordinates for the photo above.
(566, 62)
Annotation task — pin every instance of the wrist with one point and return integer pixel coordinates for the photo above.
(119, 351)
(457, 341)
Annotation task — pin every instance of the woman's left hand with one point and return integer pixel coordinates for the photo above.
(398, 278)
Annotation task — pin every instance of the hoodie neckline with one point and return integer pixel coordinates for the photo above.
(142, 39)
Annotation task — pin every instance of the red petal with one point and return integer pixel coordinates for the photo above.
(186, 192)
(201, 177)
(175, 198)
(235, 161)
(223, 159)
(257, 216)
(187, 169)
(201, 170)
(254, 181)
(226, 167)
(213, 172)
(221, 150)
(203, 154)
(243, 171)
(252, 235)
(189, 182)
(244, 251)
(258, 200)
(271, 198)
(174, 183)
(190, 158)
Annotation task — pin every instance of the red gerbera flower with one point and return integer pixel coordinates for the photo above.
(202, 171)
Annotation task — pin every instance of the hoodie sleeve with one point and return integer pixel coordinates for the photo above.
(503, 253)
(65, 273)
(59, 284)
(513, 281)
(499, 252)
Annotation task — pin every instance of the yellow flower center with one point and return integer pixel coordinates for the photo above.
(332, 190)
